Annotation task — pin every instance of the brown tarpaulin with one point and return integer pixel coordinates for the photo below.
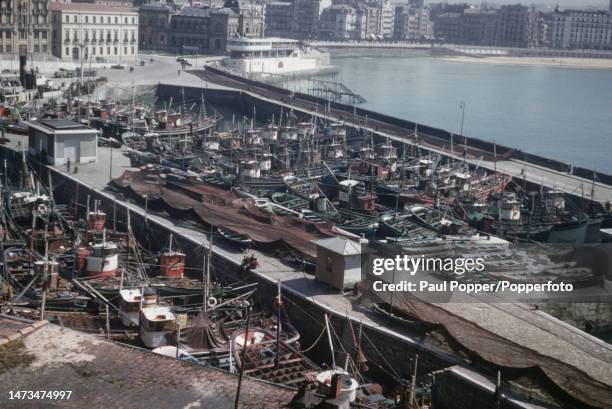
(221, 208)
(490, 348)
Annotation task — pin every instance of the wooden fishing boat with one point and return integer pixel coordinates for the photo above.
(271, 359)
(238, 239)
(351, 222)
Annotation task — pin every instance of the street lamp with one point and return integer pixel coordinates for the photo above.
(462, 108)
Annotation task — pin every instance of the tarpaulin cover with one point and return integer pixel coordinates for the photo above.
(222, 208)
(202, 335)
(490, 349)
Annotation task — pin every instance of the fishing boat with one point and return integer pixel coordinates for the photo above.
(132, 301)
(241, 240)
(269, 358)
(351, 222)
(156, 324)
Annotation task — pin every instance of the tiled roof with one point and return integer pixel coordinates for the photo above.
(102, 374)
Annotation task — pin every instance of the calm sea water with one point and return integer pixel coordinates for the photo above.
(561, 113)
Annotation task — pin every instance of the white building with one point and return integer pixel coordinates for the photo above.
(582, 29)
(58, 140)
(338, 262)
(96, 32)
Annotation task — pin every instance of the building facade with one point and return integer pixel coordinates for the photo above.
(582, 30)
(84, 32)
(508, 26)
(278, 19)
(207, 30)
(306, 16)
(412, 23)
(341, 22)
(154, 26)
(25, 27)
(518, 26)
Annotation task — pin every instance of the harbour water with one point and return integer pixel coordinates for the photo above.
(561, 113)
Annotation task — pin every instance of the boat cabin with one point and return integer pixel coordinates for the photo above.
(156, 324)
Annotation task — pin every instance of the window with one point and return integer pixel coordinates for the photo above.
(74, 19)
(101, 50)
(87, 19)
(44, 34)
(115, 50)
(67, 51)
(36, 48)
(8, 48)
(44, 48)
(132, 50)
(125, 50)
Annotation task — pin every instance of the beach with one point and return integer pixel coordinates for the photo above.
(589, 63)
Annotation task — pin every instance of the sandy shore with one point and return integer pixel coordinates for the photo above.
(592, 63)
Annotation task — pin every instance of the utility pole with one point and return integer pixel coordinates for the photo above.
(243, 361)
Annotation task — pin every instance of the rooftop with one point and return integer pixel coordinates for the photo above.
(61, 124)
(76, 7)
(103, 374)
(340, 245)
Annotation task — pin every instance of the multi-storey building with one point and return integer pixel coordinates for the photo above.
(154, 26)
(480, 27)
(582, 29)
(342, 22)
(306, 16)
(449, 27)
(83, 31)
(412, 22)
(518, 26)
(278, 19)
(25, 27)
(206, 30)
(379, 19)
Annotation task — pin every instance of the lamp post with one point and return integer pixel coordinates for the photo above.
(462, 108)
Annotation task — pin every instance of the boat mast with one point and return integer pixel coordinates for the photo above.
(279, 304)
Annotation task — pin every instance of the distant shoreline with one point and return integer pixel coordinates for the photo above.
(578, 63)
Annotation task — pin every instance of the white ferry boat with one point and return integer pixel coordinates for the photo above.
(266, 57)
